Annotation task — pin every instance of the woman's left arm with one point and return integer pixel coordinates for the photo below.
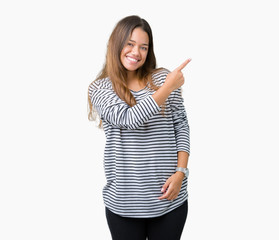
(173, 185)
(180, 121)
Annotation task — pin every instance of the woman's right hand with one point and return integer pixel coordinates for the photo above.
(175, 79)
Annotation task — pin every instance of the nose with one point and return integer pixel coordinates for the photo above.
(135, 51)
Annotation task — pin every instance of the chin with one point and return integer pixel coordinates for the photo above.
(132, 68)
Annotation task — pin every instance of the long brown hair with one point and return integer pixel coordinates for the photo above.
(113, 67)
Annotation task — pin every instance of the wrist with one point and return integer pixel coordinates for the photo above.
(161, 94)
(179, 174)
(168, 88)
(185, 171)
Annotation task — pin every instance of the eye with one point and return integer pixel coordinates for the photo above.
(144, 48)
(130, 44)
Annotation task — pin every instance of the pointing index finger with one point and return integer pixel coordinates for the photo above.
(183, 65)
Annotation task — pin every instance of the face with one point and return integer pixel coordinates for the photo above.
(134, 54)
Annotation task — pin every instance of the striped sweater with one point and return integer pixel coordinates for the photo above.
(141, 148)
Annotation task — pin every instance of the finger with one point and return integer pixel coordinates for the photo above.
(165, 186)
(166, 195)
(173, 196)
(162, 197)
(183, 65)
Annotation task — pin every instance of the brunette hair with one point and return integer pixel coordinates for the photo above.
(113, 67)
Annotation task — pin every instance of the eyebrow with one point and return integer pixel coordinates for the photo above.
(135, 42)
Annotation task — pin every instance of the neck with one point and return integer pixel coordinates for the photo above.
(131, 75)
(134, 82)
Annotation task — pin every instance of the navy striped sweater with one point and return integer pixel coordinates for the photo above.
(141, 148)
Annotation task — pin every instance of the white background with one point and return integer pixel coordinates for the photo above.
(51, 172)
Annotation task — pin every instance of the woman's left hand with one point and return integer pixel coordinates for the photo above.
(172, 186)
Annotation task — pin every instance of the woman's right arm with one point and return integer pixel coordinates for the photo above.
(115, 111)
(173, 81)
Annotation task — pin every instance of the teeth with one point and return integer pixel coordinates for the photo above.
(132, 59)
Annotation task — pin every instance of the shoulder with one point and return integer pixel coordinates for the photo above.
(159, 76)
(102, 83)
(98, 84)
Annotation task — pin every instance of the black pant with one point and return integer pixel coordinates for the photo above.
(166, 227)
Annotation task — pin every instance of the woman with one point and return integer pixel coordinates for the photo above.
(147, 137)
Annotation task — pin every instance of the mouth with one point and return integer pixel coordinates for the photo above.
(131, 59)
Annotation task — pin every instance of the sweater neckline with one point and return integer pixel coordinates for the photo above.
(140, 89)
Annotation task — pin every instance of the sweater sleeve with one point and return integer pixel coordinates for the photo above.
(116, 112)
(181, 127)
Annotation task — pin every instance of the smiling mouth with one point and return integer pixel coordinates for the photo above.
(132, 59)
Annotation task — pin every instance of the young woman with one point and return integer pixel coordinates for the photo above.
(147, 137)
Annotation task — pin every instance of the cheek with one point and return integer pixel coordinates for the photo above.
(144, 56)
(122, 55)
(125, 50)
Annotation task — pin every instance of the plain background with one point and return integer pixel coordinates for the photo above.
(51, 172)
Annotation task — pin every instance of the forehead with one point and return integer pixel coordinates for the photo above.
(140, 36)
